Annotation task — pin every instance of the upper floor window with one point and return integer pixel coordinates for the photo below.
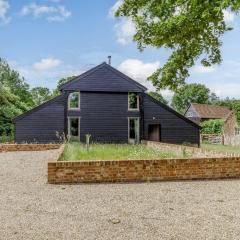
(133, 101)
(74, 101)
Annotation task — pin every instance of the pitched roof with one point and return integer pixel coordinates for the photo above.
(211, 111)
(103, 78)
(172, 111)
(55, 99)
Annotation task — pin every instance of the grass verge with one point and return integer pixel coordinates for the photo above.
(222, 148)
(77, 151)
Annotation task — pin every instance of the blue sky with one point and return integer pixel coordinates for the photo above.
(49, 39)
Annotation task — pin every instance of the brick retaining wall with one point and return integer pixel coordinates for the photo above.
(143, 170)
(27, 147)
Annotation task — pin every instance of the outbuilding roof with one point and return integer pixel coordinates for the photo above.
(211, 111)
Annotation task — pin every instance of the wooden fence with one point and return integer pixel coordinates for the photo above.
(212, 138)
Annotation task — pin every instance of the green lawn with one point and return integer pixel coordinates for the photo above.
(76, 151)
(219, 147)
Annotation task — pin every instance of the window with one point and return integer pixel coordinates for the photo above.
(190, 114)
(133, 101)
(237, 131)
(74, 101)
(133, 130)
(73, 127)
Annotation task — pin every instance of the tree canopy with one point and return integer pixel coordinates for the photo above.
(60, 83)
(41, 95)
(192, 93)
(15, 97)
(11, 79)
(233, 104)
(158, 96)
(192, 30)
(213, 126)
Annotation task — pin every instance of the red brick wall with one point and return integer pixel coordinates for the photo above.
(27, 147)
(143, 170)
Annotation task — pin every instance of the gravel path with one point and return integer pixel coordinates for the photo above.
(32, 209)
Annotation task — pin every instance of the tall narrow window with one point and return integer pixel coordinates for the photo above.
(74, 101)
(133, 130)
(73, 127)
(133, 101)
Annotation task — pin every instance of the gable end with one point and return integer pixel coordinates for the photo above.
(103, 78)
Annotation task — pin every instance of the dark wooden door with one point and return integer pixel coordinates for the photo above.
(154, 132)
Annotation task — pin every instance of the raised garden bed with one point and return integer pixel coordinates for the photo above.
(77, 152)
(136, 163)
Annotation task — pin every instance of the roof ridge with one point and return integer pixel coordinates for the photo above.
(125, 76)
(88, 72)
(210, 105)
(110, 68)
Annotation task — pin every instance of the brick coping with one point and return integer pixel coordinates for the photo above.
(153, 160)
(28, 147)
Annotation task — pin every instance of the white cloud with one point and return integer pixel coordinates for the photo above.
(139, 70)
(113, 9)
(46, 78)
(51, 13)
(125, 30)
(228, 16)
(4, 6)
(224, 90)
(63, 14)
(224, 81)
(202, 69)
(46, 64)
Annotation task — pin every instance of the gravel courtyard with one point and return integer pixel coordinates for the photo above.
(32, 209)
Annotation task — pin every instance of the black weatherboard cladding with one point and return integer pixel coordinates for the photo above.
(103, 112)
(42, 123)
(174, 127)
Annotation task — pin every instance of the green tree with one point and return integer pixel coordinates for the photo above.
(10, 107)
(41, 95)
(158, 96)
(62, 81)
(212, 126)
(233, 104)
(191, 29)
(15, 97)
(191, 93)
(11, 78)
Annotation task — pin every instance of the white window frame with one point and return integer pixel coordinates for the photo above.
(133, 109)
(75, 109)
(79, 119)
(190, 114)
(131, 140)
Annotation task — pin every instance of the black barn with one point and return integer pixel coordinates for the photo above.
(111, 107)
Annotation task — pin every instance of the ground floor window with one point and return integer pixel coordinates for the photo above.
(73, 127)
(133, 130)
(237, 131)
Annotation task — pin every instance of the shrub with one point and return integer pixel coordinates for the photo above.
(212, 126)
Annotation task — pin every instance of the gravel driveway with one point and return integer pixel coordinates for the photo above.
(32, 209)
